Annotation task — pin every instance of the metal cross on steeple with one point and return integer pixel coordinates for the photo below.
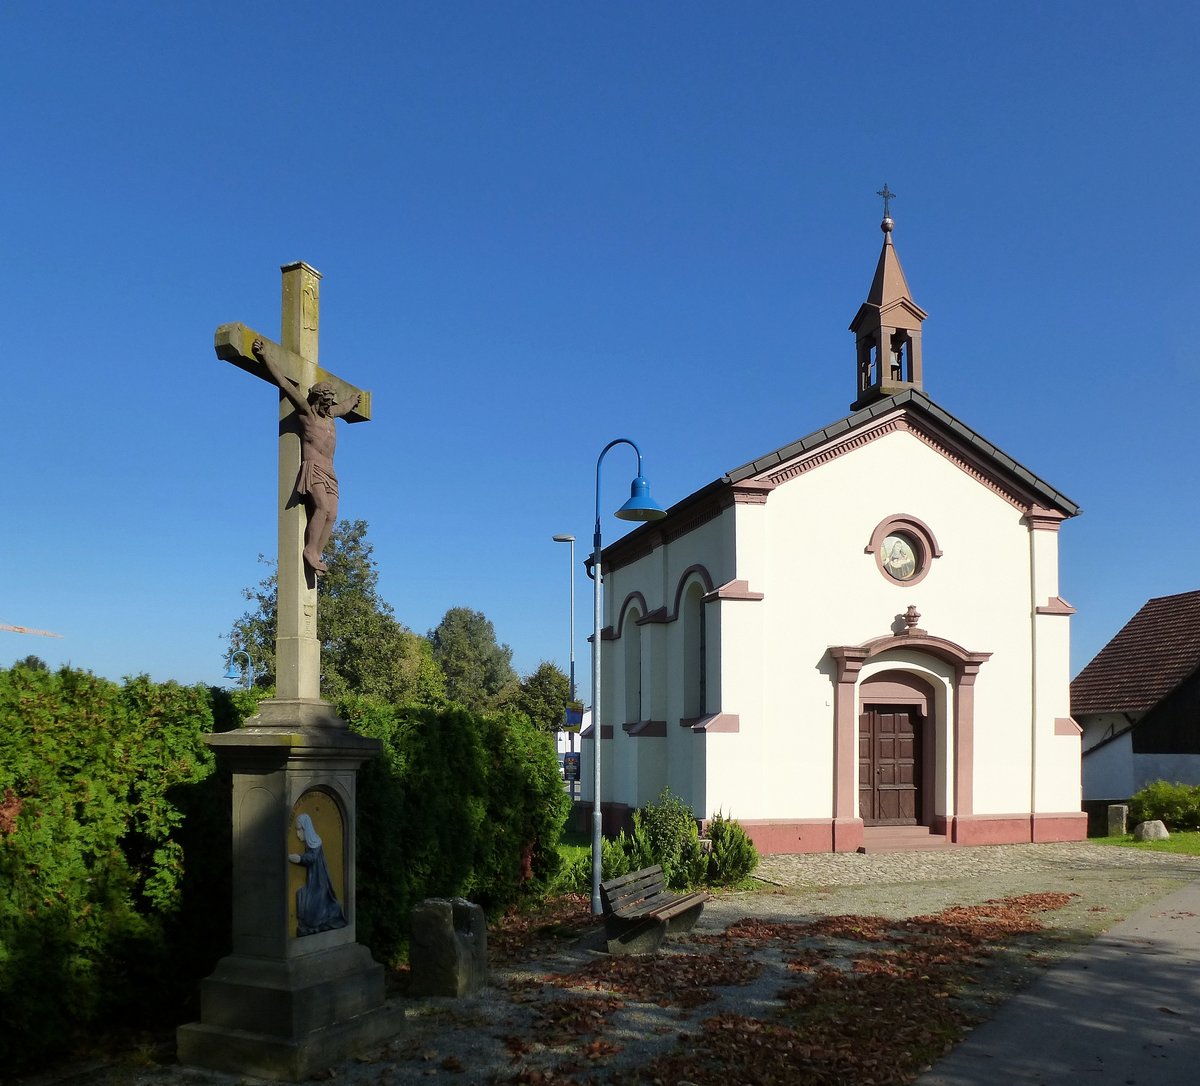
(886, 197)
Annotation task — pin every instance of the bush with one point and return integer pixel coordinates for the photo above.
(458, 804)
(733, 854)
(1176, 805)
(670, 837)
(93, 870)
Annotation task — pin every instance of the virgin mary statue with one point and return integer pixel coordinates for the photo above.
(317, 907)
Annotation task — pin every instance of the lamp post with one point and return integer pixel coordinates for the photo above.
(639, 507)
(234, 672)
(571, 539)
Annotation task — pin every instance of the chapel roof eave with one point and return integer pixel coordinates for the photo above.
(916, 400)
(721, 492)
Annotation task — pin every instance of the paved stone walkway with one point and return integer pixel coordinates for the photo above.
(947, 864)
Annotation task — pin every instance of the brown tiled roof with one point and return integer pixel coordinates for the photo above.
(1151, 655)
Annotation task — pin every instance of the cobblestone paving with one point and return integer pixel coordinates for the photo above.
(946, 864)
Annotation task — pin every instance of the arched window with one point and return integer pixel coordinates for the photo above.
(695, 652)
(631, 635)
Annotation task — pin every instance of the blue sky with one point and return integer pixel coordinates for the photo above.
(545, 225)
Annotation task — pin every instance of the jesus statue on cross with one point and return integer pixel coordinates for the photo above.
(316, 484)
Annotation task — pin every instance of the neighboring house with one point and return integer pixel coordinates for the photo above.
(859, 629)
(1138, 702)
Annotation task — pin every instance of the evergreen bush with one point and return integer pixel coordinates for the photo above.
(459, 804)
(92, 865)
(115, 859)
(1176, 805)
(733, 854)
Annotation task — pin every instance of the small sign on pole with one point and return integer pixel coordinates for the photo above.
(572, 720)
(571, 765)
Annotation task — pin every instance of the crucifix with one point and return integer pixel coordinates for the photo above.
(310, 399)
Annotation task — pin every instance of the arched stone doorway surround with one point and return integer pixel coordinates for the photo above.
(934, 662)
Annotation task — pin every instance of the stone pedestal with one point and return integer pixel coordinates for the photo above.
(1118, 819)
(283, 1005)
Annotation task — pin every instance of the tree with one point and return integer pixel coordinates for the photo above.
(364, 649)
(543, 697)
(478, 670)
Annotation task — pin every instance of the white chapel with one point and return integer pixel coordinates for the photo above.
(854, 635)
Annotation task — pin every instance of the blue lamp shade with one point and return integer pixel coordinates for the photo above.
(233, 671)
(640, 505)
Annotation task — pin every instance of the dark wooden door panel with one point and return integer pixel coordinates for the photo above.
(888, 770)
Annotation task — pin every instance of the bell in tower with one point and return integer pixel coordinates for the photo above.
(887, 327)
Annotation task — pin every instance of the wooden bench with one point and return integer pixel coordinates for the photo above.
(639, 911)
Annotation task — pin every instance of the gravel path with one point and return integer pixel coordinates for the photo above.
(464, 1041)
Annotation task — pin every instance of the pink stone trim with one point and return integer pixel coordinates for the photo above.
(913, 526)
(1056, 605)
(774, 837)
(714, 722)
(1064, 725)
(1068, 826)
(646, 729)
(901, 422)
(606, 732)
(752, 491)
(850, 659)
(706, 582)
(733, 590)
(1041, 519)
(634, 598)
(658, 615)
(1016, 829)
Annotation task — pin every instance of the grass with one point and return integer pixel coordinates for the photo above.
(1182, 842)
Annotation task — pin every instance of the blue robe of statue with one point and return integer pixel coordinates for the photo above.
(317, 906)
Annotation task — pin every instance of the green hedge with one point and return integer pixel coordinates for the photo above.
(458, 804)
(1176, 805)
(115, 841)
(91, 851)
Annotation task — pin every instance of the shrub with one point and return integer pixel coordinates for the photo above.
(1176, 805)
(671, 838)
(458, 804)
(733, 854)
(93, 870)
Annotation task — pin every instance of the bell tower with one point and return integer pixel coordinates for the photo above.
(887, 327)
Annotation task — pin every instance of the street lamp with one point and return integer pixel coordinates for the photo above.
(571, 539)
(235, 672)
(639, 507)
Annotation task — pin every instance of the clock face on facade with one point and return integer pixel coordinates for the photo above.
(901, 556)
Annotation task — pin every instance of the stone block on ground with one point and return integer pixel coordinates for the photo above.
(1118, 819)
(1150, 831)
(448, 954)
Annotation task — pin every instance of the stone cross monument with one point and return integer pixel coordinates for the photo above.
(298, 992)
(297, 650)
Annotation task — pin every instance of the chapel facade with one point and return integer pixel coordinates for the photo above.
(860, 629)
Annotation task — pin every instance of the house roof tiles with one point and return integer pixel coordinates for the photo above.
(1148, 658)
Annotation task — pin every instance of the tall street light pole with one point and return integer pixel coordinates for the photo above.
(571, 539)
(639, 507)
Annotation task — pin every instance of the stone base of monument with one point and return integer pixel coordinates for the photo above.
(287, 1020)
